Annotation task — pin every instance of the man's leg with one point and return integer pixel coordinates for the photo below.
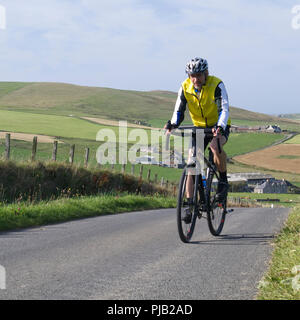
(189, 189)
(220, 160)
(190, 180)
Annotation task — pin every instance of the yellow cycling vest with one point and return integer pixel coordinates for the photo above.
(203, 109)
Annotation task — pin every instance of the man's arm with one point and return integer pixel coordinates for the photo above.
(222, 102)
(179, 109)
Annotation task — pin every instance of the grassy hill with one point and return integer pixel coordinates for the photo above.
(65, 99)
(153, 107)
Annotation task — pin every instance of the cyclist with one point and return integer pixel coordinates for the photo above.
(207, 101)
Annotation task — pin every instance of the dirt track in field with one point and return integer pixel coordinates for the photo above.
(28, 137)
(274, 158)
(116, 123)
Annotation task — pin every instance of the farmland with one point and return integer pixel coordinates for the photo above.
(69, 113)
(283, 157)
(294, 140)
(52, 125)
(82, 133)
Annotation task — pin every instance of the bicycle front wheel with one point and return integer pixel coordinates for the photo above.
(186, 224)
(216, 211)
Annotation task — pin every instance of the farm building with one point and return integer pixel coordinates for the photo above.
(273, 129)
(272, 186)
(252, 178)
(268, 129)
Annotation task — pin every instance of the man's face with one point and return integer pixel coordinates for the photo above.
(198, 79)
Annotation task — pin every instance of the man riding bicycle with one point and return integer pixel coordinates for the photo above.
(207, 101)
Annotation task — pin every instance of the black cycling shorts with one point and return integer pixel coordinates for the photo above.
(207, 140)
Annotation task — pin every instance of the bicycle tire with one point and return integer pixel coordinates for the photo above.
(185, 230)
(216, 212)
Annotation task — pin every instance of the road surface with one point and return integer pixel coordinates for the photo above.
(138, 255)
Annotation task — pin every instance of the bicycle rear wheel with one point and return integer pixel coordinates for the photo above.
(216, 211)
(186, 229)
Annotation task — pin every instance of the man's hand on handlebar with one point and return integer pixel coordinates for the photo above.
(169, 127)
(217, 131)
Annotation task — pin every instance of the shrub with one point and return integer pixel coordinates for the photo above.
(42, 181)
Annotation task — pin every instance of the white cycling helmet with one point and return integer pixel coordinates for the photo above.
(196, 65)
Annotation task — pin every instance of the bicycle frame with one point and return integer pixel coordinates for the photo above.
(192, 203)
(203, 199)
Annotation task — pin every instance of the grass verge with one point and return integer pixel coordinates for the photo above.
(285, 199)
(282, 281)
(23, 215)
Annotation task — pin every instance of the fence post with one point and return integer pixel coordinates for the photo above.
(123, 168)
(148, 175)
(174, 189)
(113, 163)
(141, 172)
(34, 147)
(7, 146)
(162, 182)
(86, 157)
(155, 178)
(71, 154)
(54, 151)
(132, 169)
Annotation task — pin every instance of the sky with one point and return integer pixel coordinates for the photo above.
(253, 46)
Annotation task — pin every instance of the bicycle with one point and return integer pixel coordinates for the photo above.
(204, 194)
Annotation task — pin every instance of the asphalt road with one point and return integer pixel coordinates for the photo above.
(139, 255)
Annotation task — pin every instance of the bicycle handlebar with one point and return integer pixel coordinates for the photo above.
(181, 131)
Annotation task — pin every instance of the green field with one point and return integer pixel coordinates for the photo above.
(82, 134)
(294, 140)
(57, 126)
(21, 151)
(54, 108)
(240, 143)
